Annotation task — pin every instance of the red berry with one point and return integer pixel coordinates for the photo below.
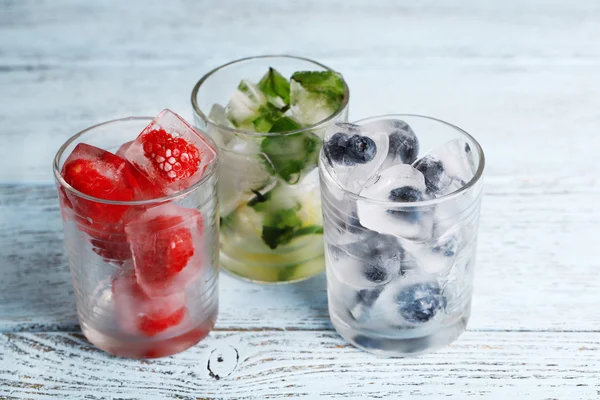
(99, 174)
(159, 320)
(171, 249)
(138, 313)
(174, 158)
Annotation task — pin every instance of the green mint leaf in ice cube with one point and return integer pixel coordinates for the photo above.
(269, 114)
(315, 95)
(258, 199)
(276, 88)
(285, 124)
(244, 105)
(291, 154)
(279, 227)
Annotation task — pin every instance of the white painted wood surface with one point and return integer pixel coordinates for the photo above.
(522, 77)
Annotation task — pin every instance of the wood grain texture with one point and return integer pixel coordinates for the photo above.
(537, 266)
(520, 77)
(316, 364)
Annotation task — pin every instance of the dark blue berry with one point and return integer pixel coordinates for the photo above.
(433, 171)
(375, 272)
(448, 248)
(405, 194)
(368, 296)
(420, 302)
(367, 342)
(335, 148)
(404, 145)
(360, 149)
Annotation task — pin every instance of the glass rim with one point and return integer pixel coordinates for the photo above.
(208, 173)
(424, 203)
(321, 124)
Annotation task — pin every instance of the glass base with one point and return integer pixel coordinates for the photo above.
(398, 347)
(273, 274)
(148, 347)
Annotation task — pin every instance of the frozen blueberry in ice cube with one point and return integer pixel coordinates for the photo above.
(404, 145)
(361, 149)
(434, 173)
(368, 296)
(406, 194)
(376, 272)
(448, 247)
(335, 148)
(367, 342)
(420, 302)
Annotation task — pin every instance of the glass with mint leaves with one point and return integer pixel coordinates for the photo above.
(268, 115)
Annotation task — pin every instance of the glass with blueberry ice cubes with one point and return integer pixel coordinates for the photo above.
(268, 116)
(401, 197)
(139, 206)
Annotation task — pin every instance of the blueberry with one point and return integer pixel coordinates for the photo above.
(368, 296)
(405, 194)
(404, 145)
(420, 302)
(360, 149)
(366, 342)
(448, 248)
(335, 148)
(433, 171)
(376, 272)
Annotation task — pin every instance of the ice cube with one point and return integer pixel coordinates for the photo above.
(244, 105)
(167, 246)
(400, 183)
(123, 149)
(138, 314)
(412, 304)
(243, 172)
(447, 168)
(315, 95)
(218, 115)
(437, 255)
(170, 153)
(354, 155)
(403, 143)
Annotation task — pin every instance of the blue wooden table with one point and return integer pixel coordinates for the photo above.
(522, 77)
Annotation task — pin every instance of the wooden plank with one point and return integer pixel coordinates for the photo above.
(316, 364)
(537, 265)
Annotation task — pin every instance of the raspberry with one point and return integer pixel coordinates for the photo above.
(138, 313)
(170, 250)
(159, 320)
(99, 174)
(172, 157)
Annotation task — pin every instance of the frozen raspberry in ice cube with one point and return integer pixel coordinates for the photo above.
(99, 174)
(137, 313)
(170, 153)
(166, 242)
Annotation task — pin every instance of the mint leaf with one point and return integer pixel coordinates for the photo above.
(284, 124)
(291, 154)
(258, 198)
(327, 83)
(269, 114)
(275, 87)
(279, 227)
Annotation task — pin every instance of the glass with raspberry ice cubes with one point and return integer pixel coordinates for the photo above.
(268, 115)
(401, 197)
(139, 206)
